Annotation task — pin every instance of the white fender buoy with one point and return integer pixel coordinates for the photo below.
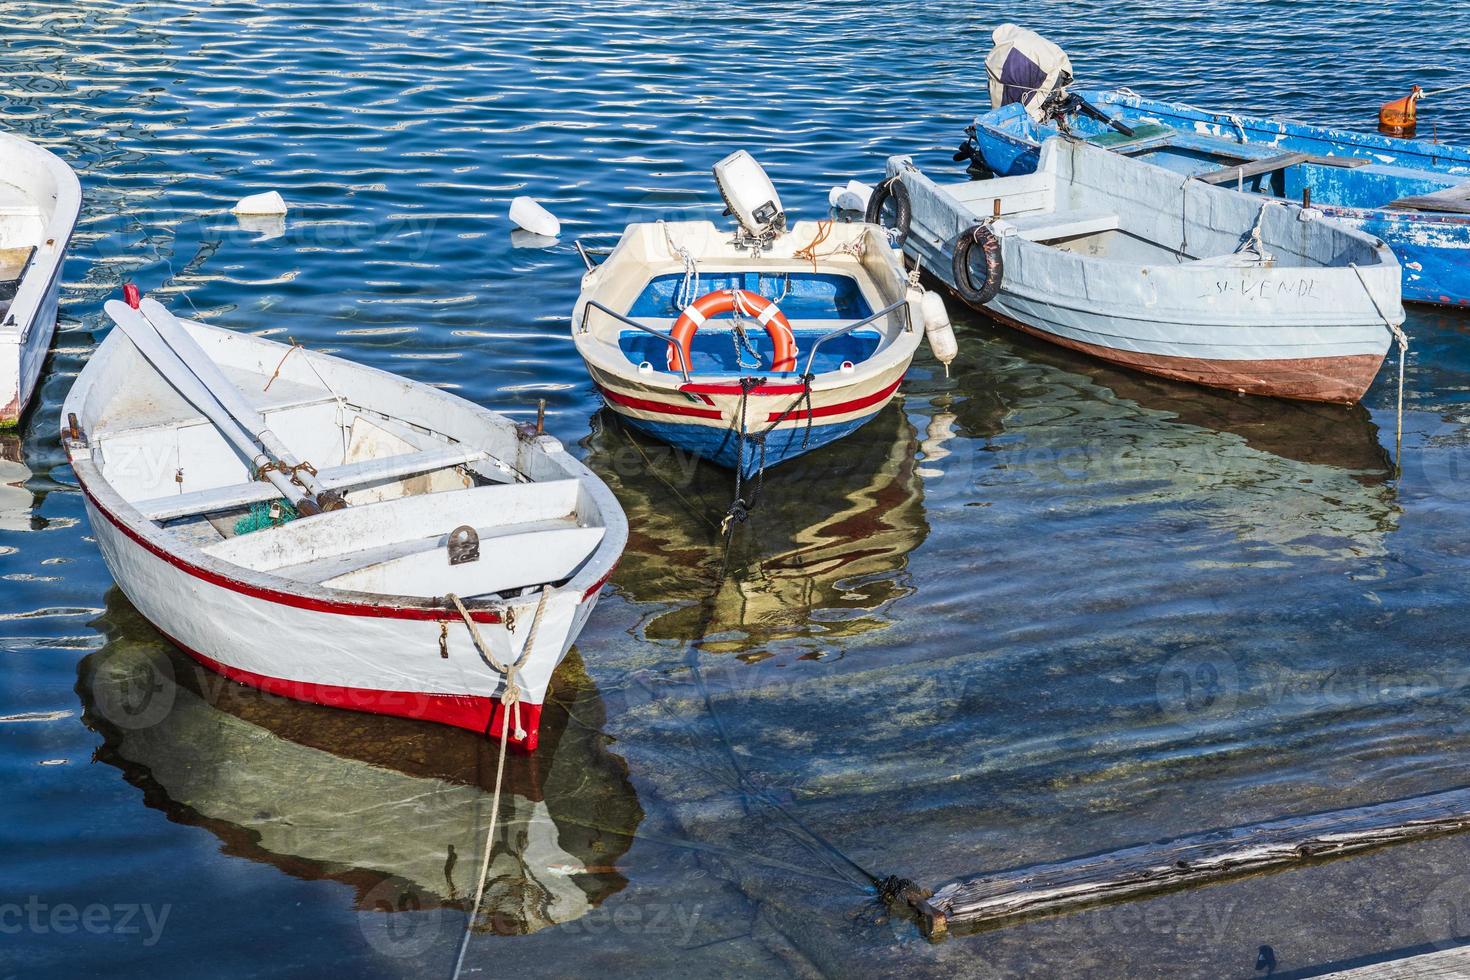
(527, 214)
(270, 202)
(852, 197)
(939, 331)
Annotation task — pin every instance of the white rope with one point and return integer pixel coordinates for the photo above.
(1444, 91)
(1255, 243)
(688, 290)
(1238, 124)
(510, 700)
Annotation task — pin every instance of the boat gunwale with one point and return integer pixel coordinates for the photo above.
(59, 227)
(609, 358)
(189, 558)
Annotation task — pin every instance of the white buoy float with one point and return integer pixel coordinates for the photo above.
(530, 216)
(853, 197)
(270, 202)
(938, 330)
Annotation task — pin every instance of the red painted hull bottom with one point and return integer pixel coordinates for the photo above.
(1340, 380)
(478, 714)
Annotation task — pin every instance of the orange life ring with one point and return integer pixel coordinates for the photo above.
(766, 313)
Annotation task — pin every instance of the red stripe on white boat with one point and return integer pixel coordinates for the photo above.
(334, 606)
(478, 714)
(841, 408)
(648, 405)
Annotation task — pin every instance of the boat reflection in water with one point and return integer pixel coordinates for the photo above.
(1280, 478)
(396, 808)
(16, 502)
(1341, 436)
(824, 553)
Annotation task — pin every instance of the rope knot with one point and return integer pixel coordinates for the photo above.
(738, 513)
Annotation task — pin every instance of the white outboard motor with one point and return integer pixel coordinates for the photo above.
(751, 197)
(1025, 67)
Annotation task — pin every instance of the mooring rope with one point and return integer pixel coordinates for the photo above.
(1403, 342)
(688, 290)
(1444, 91)
(510, 701)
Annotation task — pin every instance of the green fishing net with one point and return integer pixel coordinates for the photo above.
(261, 516)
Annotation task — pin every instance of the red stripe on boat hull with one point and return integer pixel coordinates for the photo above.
(331, 606)
(478, 714)
(841, 408)
(1341, 380)
(648, 405)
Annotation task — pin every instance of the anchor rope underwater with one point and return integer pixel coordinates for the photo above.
(510, 700)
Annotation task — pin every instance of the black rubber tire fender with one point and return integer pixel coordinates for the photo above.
(892, 187)
(982, 237)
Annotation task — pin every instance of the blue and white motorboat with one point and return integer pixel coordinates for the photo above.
(752, 346)
(1412, 194)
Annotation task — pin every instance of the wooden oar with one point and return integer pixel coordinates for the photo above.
(167, 362)
(178, 338)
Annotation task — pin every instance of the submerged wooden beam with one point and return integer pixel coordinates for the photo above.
(1444, 964)
(1186, 861)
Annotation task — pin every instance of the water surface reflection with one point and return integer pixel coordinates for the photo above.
(395, 808)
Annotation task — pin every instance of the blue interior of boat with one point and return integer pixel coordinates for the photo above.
(713, 350)
(800, 295)
(1190, 151)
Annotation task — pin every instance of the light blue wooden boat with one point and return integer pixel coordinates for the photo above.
(1125, 261)
(1412, 194)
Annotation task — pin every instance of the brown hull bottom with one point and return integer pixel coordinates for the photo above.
(1341, 380)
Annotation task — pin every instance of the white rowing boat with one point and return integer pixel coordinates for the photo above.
(452, 514)
(39, 202)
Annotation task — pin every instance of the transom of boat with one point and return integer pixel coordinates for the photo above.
(830, 305)
(407, 487)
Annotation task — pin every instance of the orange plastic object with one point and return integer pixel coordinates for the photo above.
(1398, 118)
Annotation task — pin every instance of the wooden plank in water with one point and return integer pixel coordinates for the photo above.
(1186, 861)
(1444, 964)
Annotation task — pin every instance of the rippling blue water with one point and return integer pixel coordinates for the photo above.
(1035, 610)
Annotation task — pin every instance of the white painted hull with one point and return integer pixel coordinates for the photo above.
(40, 199)
(406, 655)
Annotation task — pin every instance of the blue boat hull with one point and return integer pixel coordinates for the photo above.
(1432, 247)
(721, 446)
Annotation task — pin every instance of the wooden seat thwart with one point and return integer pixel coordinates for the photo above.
(1453, 199)
(1049, 226)
(13, 262)
(528, 535)
(1271, 164)
(332, 478)
(13, 265)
